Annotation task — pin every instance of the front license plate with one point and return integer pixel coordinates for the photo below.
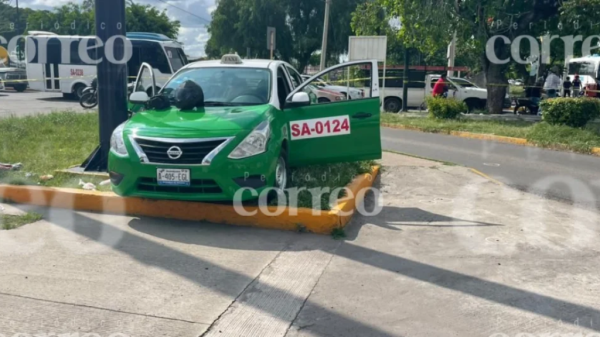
(173, 177)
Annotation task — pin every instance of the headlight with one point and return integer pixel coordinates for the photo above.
(117, 145)
(255, 143)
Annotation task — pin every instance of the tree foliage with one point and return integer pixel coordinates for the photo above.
(241, 24)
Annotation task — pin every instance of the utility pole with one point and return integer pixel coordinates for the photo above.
(451, 55)
(17, 25)
(325, 31)
(405, 79)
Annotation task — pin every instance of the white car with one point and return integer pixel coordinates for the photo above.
(353, 93)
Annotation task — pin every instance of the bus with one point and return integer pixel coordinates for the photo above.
(165, 55)
(587, 67)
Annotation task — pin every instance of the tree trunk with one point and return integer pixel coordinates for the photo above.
(495, 76)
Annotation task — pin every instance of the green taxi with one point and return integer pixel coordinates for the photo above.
(259, 119)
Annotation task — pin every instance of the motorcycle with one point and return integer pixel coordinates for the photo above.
(525, 106)
(89, 98)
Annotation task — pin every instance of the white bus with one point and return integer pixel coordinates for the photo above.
(163, 54)
(587, 67)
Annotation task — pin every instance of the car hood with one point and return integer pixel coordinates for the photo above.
(202, 122)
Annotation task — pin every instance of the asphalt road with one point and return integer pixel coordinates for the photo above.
(564, 176)
(30, 102)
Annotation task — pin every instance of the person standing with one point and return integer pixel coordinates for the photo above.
(552, 84)
(567, 87)
(576, 86)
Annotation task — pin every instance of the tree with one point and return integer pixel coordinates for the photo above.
(241, 24)
(75, 19)
(429, 25)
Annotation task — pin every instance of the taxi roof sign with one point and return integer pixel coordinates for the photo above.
(231, 59)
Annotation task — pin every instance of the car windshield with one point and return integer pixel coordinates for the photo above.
(226, 86)
(176, 57)
(463, 83)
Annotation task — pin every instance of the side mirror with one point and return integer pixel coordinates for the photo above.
(298, 100)
(139, 97)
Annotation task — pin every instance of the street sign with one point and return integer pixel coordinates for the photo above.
(271, 34)
(367, 48)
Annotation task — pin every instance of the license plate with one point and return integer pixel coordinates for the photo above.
(173, 177)
(320, 127)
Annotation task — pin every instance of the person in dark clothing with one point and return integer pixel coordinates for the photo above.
(576, 86)
(567, 87)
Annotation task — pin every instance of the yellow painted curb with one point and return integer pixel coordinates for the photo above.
(321, 222)
(486, 176)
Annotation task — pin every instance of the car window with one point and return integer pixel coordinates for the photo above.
(227, 85)
(283, 86)
(352, 82)
(295, 77)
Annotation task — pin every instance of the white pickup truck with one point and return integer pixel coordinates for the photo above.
(458, 88)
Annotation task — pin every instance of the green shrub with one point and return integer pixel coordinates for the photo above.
(445, 108)
(574, 112)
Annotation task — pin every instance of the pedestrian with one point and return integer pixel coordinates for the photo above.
(440, 87)
(534, 93)
(552, 84)
(567, 87)
(576, 86)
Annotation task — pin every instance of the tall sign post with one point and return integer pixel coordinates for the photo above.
(370, 48)
(271, 34)
(112, 76)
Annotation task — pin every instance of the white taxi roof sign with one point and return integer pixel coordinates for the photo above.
(231, 59)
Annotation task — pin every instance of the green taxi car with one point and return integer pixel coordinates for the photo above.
(259, 119)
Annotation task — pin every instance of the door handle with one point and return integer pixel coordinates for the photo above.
(362, 115)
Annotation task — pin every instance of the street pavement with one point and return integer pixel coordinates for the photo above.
(31, 102)
(559, 175)
(449, 253)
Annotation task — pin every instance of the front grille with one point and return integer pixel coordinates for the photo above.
(192, 153)
(197, 186)
(14, 76)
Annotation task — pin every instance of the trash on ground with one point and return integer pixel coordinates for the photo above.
(11, 167)
(106, 182)
(87, 186)
(29, 175)
(46, 177)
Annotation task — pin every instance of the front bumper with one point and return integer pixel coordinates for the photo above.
(218, 181)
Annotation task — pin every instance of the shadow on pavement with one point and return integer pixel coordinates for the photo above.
(57, 99)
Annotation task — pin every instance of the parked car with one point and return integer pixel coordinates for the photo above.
(13, 78)
(326, 96)
(255, 121)
(344, 90)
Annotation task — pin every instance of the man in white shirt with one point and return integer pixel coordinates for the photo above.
(553, 83)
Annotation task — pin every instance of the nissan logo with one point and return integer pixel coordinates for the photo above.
(174, 152)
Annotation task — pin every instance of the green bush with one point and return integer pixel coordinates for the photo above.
(445, 108)
(574, 112)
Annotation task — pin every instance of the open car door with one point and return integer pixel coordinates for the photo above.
(145, 82)
(342, 125)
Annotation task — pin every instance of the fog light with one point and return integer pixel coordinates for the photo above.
(115, 178)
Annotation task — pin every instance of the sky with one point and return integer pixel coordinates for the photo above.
(193, 14)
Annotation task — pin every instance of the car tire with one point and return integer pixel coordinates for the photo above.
(323, 100)
(392, 105)
(20, 88)
(473, 104)
(282, 171)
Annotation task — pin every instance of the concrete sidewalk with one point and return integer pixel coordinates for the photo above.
(450, 254)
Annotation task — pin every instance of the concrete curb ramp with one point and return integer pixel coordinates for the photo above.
(483, 136)
(294, 219)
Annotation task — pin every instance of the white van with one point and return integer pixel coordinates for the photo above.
(164, 55)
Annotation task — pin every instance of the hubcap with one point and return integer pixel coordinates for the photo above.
(281, 174)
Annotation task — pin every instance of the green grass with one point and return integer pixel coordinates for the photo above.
(541, 134)
(8, 222)
(46, 143)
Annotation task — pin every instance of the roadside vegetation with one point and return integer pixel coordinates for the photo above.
(8, 222)
(541, 134)
(46, 143)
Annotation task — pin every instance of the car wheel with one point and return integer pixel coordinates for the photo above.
(323, 100)
(392, 105)
(282, 171)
